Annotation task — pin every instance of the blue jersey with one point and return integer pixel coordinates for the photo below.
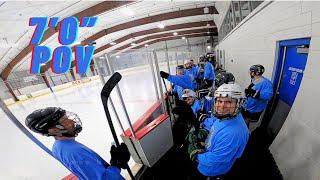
(179, 90)
(209, 72)
(225, 143)
(83, 162)
(190, 73)
(207, 104)
(195, 71)
(182, 80)
(196, 106)
(264, 86)
(208, 122)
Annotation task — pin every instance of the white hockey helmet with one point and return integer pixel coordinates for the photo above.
(234, 91)
(188, 93)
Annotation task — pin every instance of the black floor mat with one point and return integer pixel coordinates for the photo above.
(256, 163)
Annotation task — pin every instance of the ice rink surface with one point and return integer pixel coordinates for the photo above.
(22, 159)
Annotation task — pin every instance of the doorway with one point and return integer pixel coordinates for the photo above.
(287, 77)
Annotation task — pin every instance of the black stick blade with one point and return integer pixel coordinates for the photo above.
(110, 84)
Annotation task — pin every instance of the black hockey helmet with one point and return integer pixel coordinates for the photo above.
(224, 78)
(41, 120)
(230, 78)
(209, 57)
(257, 69)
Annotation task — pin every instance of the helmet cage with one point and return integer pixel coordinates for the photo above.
(236, 110)
(69, 133)
(233, 91)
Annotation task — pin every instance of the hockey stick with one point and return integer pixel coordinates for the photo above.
(167, 92)
(168, 103)
(105, 93)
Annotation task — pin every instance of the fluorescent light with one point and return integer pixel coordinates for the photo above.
(133, 44)
(208, 47)
(161, 26)
(101, 57)
(206, 10)
(208, 24)
(117, 56)
(183, 37)
(175, 33)
(146, 45)
(127, 11)
(113, 43)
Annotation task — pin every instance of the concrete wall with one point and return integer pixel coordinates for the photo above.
(297, 146)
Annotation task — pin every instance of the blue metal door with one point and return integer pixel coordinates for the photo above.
(288, 75)
(292, 74)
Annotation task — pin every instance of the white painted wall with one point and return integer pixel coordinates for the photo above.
(297, 146)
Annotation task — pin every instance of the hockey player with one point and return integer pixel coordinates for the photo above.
(228, 133)
(190, 98)
(207, 102)
(191, 72)
(177, 90)
(258, 93)
(209, 74)
(183, 80)
(83, 162)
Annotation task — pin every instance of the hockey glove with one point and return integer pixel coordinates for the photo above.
(197, 138)
(119, 156)
(164, 74)
(251, 92)
(193, 151)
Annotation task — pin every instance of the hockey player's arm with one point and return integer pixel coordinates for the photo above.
(178, 81)
(90, 168)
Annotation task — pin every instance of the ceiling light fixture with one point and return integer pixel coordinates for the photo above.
(113, 43)
(161, 26)
(133, 44)
(183, 37)
(175, 33)
(127, 11)
(206, 10)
